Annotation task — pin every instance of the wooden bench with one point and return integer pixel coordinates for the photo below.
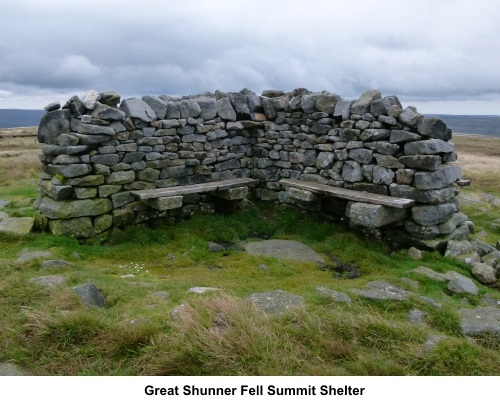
(347, 194)
(369, 210)
(172, 197)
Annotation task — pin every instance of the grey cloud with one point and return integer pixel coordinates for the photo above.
(424, 50)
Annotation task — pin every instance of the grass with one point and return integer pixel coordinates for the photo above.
(220, 332)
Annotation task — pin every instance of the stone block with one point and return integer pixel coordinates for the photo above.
(74, 208)
(429, 215)
(80, 227)
(374, 215)
(237, 193)
(165, 203)
(438, 179)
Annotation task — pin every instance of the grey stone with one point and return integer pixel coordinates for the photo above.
(240, 104)
(415, 253)
(79, 227)
(120, 177)
(434, 128)
(105, 159)
(342, 110)
(90, 295)
(52, 106)
(164, 295)
(268, 107)
(351, 172)
(284, 249)
(111, 98)
(73, 170)
(28, 256)
(430, 215)
(422, 196)
(415, 285)
(189, 108)
(388, 161)
(82, 128)
(17, 225)
(440, 178)
(326, 103)
(104, 112)
(428, 147)
(449, 225)
(403, 136)
(363, 104)
(481, 247)
(54, 264)
(382, 290)
(419, 231)
(417, 316)
(484, 273)
(425, 162)
(383, 147)
(158, 105)
(10, 369)
(338, 297)
(121, 199)
(208, 107)
(374, 215)
(139, 109)
(479, 321)
(361, 155)
(382, 176)
(455, 248)
(430, 301)
(463, 285)
(90, 99)
(490, 301)
(75, 105)
(374, 134)
(422, 270)
(225, 109)
(49, 281)
(73, 208)
(53, 124)
(410, 116)
(277, 301)
(165, 203)
(324, 160)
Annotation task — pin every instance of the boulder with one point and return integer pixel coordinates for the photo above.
(382, 290)
(49, 281)
(463, 285)
(410, 116)
(480, 321)
(52, 125)
(90, 295)
(277, 301)
(434, 128)
(284, 249)
(363, 104)
(139, 109)
(158, 105)
(335, 296)
(225, 109)
(17, 225)
(484, 273)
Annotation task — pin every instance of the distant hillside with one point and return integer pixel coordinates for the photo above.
(483, 125)
(10, 118)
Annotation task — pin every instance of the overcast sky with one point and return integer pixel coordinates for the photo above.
(441, 56)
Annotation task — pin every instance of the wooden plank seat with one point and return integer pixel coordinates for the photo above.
(172, 197)
(347, 194)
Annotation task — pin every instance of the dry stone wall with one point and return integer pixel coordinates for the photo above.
(98, 149)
